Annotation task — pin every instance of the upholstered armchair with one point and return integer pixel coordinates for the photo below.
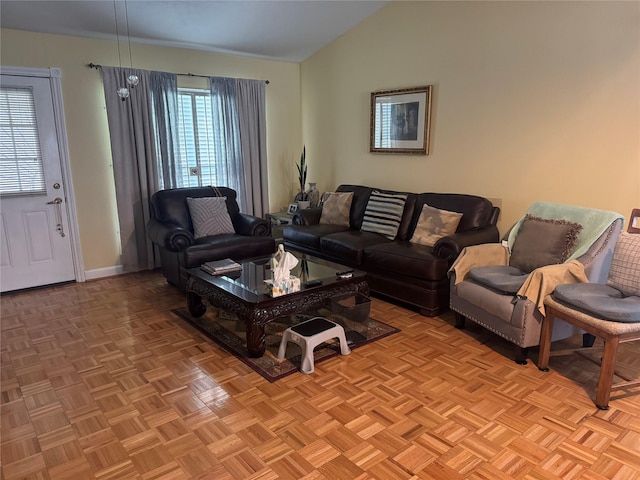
(502, 287)
(191, 226)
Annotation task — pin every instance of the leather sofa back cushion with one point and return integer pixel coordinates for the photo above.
(335, 208)
(170, 206)
(624, 273)
(209, 216)
(476, 211)
(383, 213)
(361, 196)
(434, 224)
(542, 241)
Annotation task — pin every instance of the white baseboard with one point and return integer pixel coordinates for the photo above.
(103, 272)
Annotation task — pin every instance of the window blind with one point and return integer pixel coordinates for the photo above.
(21, 167)
(198, 140)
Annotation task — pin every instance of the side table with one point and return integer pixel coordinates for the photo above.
(276, 220)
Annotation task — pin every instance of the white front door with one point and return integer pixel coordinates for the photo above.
(35, 244)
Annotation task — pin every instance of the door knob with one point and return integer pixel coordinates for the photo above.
(55, 201)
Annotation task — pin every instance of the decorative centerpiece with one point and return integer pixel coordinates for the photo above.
(282, 282)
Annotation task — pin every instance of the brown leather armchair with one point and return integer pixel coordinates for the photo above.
(171, 230)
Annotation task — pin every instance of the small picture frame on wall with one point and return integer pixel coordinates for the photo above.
(401, 121)
(293, 207)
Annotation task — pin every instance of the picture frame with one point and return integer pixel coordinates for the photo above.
(634, 221)
(401, 121)
(292, 208)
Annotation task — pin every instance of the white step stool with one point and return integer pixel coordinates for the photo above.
(309, 334)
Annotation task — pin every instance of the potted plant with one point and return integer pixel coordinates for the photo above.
(302, 197)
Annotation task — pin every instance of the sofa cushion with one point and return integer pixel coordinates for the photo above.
(405, 258)
(543, 242)
(349, 246)
(232, 246)
(309, 235)
(335, 208)
(383, 213)
(476, 211)
(209, 216)
(501, 278)
(601, 301)
(624, 273)
(434, 224)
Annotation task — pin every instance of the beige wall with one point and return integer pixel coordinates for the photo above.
(532, 101)
(87, 131)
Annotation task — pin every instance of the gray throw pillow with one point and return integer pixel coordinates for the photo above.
(209, 216)
(542, 241)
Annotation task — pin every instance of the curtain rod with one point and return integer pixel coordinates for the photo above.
(96, 66)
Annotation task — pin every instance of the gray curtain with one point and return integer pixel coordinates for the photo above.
(227, 136)
(240, 106)
(253, 143)
(164, 93)
(136, 150)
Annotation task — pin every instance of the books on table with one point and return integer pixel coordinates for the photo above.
(218, 267)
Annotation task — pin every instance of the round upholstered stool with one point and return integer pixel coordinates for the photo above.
(309, 334)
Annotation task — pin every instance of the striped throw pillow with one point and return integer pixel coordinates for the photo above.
(383, 213)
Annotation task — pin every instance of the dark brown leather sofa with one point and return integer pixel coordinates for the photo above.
(171, 229)
(411, 273)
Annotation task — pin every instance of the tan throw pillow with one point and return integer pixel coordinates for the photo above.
(434, 224)
(209, 216)
(336, 208)
(543, 241)
(624, 273)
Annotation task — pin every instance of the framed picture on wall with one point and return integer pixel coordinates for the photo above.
(400, 121)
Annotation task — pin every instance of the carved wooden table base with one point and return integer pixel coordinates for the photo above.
(257, 314)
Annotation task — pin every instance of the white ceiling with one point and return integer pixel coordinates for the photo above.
(273, 29)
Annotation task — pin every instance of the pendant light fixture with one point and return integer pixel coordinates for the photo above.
(132, 79)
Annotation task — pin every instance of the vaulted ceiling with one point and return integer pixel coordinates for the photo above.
(272, 29)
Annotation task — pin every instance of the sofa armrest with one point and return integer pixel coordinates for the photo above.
(449, 247)
(245, 224)
(308, 216)
(169, 236)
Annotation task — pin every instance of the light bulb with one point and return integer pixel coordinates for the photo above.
(132, 80)
(123, 93)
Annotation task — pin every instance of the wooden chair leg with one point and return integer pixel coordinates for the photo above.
(605, 381)
(545, 343)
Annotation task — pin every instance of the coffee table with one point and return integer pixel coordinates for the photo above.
(243, 293)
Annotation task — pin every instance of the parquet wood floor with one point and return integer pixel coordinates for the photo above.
(100, 380)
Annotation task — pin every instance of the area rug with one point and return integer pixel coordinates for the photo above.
(228, 332)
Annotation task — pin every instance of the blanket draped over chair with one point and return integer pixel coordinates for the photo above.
(503, 286)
